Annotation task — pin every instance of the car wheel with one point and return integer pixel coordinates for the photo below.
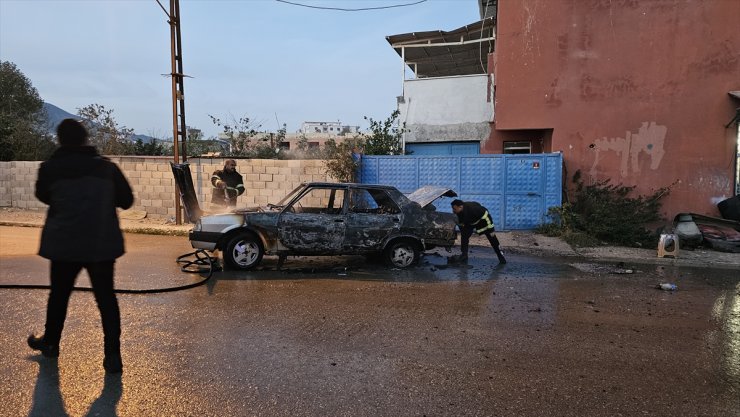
(402, 254)
(244, 251)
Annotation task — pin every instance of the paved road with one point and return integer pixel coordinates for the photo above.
(536, 337)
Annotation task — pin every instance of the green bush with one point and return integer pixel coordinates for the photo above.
(605, 212)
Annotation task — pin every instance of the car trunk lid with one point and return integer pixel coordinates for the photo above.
(428, 193)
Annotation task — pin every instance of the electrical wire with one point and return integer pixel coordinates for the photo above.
(480, 46)
(349, 10)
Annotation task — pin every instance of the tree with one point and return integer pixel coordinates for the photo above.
(105, 134)
(341, 160)
(268, 146)
(239, 133)
(198, 146)
(386, 136)
(152, 148)
(22, 134)
(330, 148)
(302, 145)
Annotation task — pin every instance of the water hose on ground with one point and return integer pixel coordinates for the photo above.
(202, 263)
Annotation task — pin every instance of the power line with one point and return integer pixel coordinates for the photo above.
(350, 10)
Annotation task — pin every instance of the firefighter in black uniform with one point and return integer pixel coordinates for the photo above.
(471, 217)
(227, 185)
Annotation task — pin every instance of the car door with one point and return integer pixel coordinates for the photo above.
(372, 216)
(314, 222)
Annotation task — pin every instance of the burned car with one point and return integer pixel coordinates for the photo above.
(331, 219)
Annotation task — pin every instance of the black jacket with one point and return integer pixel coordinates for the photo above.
(82, 190)
(234, 187)
(471, 213)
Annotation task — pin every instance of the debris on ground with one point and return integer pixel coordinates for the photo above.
(667, 287)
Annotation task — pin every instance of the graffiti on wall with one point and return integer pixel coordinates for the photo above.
(649, 140)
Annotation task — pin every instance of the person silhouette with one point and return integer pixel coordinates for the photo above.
(473, 217)
(81, 230)
(228, 184)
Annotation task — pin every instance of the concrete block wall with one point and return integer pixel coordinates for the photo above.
(5, 176)
(265, 181)
(17, 182)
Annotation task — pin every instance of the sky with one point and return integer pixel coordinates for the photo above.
(270, 61)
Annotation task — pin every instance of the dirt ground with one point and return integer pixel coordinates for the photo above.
(523, 242)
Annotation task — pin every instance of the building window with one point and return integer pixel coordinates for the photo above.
(285, 146)
(518, 147)
(313, 145)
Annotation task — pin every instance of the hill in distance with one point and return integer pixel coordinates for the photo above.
(54, 116)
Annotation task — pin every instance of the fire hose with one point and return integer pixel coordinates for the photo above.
(201, 264)
(228, 192)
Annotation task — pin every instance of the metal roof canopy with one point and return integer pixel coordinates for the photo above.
(463, 51)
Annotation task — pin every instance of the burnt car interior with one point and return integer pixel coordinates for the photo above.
(319, 201)
(372, 201)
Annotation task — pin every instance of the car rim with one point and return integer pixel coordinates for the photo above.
(245, 253)
(403, 256)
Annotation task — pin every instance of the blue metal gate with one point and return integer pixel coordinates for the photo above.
(516, 189)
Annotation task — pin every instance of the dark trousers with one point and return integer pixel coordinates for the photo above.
(467, 231)
(63, 276)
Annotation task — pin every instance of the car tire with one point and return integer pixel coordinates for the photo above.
(244, 251)
(402, 253)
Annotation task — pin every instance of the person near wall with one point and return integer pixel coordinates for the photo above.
(473, 217)
(227, 185)
(81, 230)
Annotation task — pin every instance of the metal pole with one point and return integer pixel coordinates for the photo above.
(403, 69)
(403, 95)
(174, 21)
(181, 85)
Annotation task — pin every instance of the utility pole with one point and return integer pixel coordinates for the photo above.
(179, 129)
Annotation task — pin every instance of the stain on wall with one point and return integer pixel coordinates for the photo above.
(720, 59)
(649, 140)
(715, 181)
(419, 133)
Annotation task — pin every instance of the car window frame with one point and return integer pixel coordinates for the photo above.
(308, 188)
(370, 191)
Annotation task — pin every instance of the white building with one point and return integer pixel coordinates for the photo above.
(327, 128)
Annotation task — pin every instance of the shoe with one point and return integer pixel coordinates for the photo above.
(38, 343)
(500, 256)
(113, 364)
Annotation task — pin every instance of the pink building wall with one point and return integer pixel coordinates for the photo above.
(631, 90)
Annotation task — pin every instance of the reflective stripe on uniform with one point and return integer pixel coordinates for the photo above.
(484, 223)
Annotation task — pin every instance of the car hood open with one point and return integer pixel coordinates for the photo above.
(428, 193)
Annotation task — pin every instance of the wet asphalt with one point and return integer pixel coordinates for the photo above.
(346, 336)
